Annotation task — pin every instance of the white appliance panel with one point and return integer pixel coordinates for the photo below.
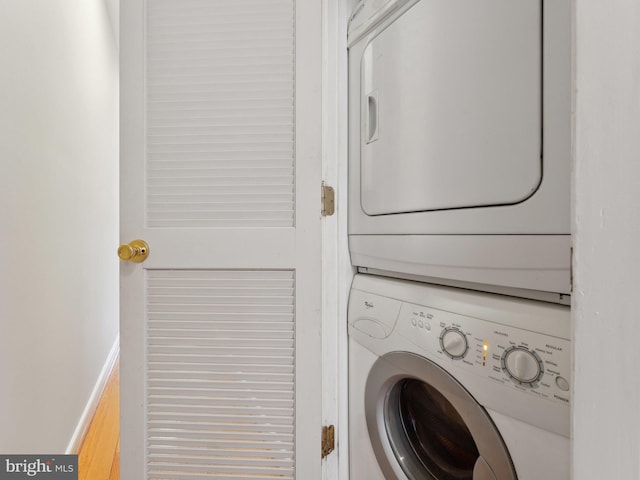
(530, 418)
(451, 107)
(500, 323)
(427, 197)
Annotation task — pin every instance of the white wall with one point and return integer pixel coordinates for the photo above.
(606, 418)
(58, 215)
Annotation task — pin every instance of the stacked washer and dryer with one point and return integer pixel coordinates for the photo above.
(459, 228)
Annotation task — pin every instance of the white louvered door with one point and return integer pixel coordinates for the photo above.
(220, 174)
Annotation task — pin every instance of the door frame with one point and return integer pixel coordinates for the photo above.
(336, 264)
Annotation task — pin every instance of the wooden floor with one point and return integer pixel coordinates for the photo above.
(99, 455)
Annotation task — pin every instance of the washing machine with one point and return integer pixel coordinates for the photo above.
(460, 141)
(451, 384)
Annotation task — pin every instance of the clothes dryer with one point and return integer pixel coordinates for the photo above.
(459, 140)
(448, 384)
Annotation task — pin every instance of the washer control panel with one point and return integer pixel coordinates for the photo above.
(528, 361)
(454, 343)
(524, 366)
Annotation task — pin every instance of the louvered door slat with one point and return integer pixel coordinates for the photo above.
(220, 91)
(225, 386)
(213, 377)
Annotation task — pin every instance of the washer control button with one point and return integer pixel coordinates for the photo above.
(454, 343)
(522, 365)
(562, 383)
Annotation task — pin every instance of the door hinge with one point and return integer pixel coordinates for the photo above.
(328, 200)
(328, 440)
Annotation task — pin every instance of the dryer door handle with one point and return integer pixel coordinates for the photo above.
(372, 117)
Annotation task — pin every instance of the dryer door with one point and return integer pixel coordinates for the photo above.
(424, 425)
(450, 104)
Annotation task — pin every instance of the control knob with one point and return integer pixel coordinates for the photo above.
(454, 343)
(522, 365)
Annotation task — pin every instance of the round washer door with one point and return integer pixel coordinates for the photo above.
(423, 424)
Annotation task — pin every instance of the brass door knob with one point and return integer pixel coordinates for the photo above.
(135, 251)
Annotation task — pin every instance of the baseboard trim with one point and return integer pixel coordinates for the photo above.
(94, 400)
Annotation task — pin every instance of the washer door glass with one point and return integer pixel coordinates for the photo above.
(427, 434)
